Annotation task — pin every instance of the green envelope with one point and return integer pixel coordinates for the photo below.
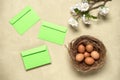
(36, 57)
(24, 20)
(52, 32)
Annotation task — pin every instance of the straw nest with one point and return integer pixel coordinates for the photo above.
(98, 46)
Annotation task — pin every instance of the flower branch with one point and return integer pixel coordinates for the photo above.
(82, 10)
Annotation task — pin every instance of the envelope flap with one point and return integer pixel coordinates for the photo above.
(53, 26)
(34, 50)
(20, 15)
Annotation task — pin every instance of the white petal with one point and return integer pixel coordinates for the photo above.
(85, 20)
(84, 6)
(72, 10)
(72, 22)
(78, 6)
(103, 11)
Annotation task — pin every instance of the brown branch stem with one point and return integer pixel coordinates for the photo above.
(92, 8)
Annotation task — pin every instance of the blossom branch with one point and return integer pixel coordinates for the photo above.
(82, 10)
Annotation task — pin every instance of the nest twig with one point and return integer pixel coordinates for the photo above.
(98, 46)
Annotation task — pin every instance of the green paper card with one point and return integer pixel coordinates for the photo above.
(36, 57)
(24, 20)
(52, 32)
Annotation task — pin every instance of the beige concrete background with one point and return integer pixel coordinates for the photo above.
(56, 11)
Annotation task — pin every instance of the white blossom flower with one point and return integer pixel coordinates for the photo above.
(72, 10)
(78, 6)
(85, 19)
(84, 6)
(103, 11)
(72, 22)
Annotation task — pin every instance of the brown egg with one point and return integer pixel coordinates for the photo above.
(89, 60)
(89, 47)
(79, 57)
(95, 55)
(81, 48)
(86, 54)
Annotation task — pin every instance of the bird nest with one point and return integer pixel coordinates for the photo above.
(98, 46)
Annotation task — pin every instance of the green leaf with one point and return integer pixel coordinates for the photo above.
(88, 15)
(94, 17)
(77, 11)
